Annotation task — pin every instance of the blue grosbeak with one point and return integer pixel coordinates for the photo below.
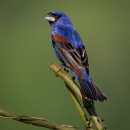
(70, 50)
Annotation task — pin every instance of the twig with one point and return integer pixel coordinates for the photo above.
(89, 107)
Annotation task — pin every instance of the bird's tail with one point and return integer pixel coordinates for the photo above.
(90, 91)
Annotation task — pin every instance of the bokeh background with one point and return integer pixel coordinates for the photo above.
(29, 87)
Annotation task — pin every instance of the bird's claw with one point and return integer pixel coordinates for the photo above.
(66, 70)
(73, 78)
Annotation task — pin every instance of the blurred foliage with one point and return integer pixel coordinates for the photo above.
(29, 87)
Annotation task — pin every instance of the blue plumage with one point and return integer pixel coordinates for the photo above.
(70, 50)
(69, 33)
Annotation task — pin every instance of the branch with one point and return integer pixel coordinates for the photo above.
(42, 122)
(75, 95)
(71, 85)
(79, 107)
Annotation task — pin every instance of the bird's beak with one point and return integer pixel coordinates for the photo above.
(49, 17)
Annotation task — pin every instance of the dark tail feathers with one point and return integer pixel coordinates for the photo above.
(90, 91)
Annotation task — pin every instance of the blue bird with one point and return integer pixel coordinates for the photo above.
(70, 50)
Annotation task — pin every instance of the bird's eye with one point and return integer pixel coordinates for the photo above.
(57, 16)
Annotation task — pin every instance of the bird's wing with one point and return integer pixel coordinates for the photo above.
(73, 56)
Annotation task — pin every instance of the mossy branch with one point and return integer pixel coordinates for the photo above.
(75, 91)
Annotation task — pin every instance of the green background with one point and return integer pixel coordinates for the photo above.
(29, 87)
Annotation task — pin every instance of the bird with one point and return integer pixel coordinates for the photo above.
(71, 52)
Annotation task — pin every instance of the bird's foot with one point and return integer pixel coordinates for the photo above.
(66, 70)
(73, 78)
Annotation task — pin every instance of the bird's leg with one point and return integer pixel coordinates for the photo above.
(73, 78)
(66, 70)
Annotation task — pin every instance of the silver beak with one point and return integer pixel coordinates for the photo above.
(49, 18)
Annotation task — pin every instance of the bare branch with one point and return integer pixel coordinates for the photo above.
(42, 122)
(77, 99)
(87, 104)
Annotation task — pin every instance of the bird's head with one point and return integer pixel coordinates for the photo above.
(56, 18)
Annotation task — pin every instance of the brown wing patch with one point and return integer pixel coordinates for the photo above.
(60, 39)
